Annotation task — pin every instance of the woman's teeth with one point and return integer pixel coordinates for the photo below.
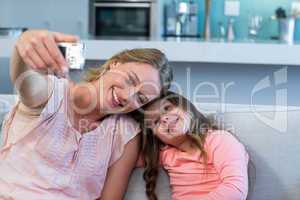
(116, 99)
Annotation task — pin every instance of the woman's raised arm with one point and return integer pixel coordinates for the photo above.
(36, 53)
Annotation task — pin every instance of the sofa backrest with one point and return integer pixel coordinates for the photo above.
(274, 150)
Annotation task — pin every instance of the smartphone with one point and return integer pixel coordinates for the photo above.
(74, 53)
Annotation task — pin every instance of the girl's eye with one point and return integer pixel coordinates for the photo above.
(167, 107)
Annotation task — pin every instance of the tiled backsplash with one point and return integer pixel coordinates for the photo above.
(265, 8)
(16, 13)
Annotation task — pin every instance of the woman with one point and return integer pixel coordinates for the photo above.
(60, 141)
(202, 162)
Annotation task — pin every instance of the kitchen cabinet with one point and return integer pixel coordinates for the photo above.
(69, 16)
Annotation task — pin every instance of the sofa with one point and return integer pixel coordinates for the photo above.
(272, 138)
(271, 135)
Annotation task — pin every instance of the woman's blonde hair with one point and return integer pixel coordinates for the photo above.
(153, 57)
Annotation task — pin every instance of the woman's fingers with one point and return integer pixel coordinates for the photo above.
(28, 46)
(25, 52)
(45, 56)
(36, 59)
(29, 63)
(55, 53)
(61, 37)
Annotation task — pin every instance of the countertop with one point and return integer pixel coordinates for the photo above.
(215, 51)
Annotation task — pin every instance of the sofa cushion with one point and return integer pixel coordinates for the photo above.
(274, 152)
(6, 103)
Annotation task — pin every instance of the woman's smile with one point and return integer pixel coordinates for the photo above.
(116, 102)
(127, 87)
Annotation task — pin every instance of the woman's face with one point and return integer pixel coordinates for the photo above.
(168, 122)
(128, 86)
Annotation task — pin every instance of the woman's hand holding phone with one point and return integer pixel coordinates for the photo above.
(39, 51)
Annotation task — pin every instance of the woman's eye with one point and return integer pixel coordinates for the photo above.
(142, 99)
(130, 81)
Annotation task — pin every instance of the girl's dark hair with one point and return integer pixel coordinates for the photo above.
(200, 125)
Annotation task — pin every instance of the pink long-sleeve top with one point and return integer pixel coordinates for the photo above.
(224, 177)
(44, 158)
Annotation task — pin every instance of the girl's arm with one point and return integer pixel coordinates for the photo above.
(119, 173)
(230, 160)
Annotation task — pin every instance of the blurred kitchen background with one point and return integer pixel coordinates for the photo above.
(82, 17)
(230, 57)
(216, 41)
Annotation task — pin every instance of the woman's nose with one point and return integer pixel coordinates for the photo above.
(127, 95)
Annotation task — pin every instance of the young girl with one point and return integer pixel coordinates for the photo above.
(202, 162)
(74, 141)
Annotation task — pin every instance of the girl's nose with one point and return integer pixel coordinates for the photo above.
(169, 119)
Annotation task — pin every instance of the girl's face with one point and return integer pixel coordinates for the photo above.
(127, 87)
(168, 122)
